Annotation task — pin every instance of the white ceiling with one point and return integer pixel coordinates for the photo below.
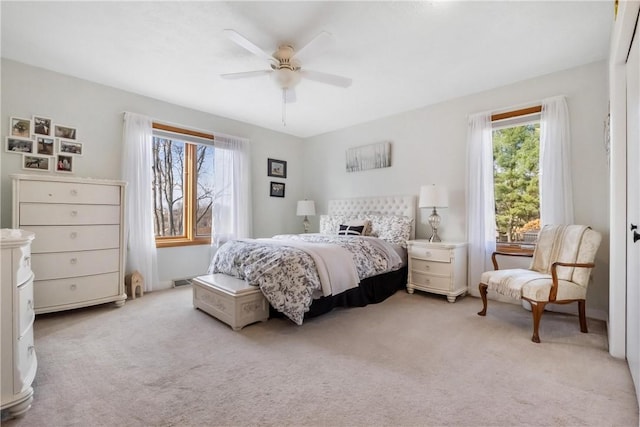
(400, 55)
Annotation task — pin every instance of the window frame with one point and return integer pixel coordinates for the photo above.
(189, 236)
(523, 248)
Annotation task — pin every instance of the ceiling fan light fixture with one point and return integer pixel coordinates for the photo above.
(286, 78)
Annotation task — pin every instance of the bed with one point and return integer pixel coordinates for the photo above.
(303, 276)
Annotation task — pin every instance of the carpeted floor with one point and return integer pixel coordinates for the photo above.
(411, 360)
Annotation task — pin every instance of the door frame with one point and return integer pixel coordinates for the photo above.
(622, 35)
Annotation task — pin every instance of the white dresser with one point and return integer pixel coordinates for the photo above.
(439, 268)
(78, 253)
(17, 314)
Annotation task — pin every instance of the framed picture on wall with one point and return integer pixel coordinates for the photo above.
(42, 125)
(277, 189)
(18, 145)
(64, 163)
(20, 127)
(66, 132)
(36, 163)
(69, 147)
(44, 145)
(277, 168)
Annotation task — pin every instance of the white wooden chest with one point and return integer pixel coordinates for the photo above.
(230, 300)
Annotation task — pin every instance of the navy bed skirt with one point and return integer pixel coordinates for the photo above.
(371, 290)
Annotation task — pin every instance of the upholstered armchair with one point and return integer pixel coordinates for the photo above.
(559, 272)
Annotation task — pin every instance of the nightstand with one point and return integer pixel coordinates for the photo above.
(440, 268)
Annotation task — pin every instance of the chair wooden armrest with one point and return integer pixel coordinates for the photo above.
(502, 253)
(553, 293)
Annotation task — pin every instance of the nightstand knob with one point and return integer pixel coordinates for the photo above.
(427, 267)
(427, 253)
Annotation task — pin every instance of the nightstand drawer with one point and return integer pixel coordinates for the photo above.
(426, 280)
(430, 267)
(440, 255)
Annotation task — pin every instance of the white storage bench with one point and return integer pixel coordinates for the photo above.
(230, 300)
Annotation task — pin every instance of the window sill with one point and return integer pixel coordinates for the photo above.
(516, 248)
(172, 243)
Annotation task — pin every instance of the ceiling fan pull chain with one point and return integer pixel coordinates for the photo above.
(284, 107)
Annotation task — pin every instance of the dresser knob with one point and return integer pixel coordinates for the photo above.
(74, 213)
(73, 260)
(74, 192)
(427, 253)
(73, 235)
(73, 287)
(427, 267)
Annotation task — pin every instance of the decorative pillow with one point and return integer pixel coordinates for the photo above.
(364, 223)
(351, 230)
(330, 224)
(392, 228)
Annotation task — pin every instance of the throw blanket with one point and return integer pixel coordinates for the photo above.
(287, 273)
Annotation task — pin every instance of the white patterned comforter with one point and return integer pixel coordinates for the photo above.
(286, 272)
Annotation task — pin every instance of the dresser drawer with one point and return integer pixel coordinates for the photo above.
(50, 293)
(26, 313)
(57, 265)
(431, 267)
(75, 238)
(60, 214)
(428, 281)
(23, 264)
(69, 192)
(26, 363)
(440, 255)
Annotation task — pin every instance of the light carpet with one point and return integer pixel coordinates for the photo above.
(411, 360)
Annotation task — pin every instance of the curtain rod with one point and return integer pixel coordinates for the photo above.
(197, 132)
(521, 106)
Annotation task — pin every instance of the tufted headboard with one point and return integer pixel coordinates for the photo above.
(379, 205)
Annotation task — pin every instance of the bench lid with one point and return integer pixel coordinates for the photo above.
(228, 283)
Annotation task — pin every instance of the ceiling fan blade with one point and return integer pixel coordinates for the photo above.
(245, 74)
(330, 79)
(245, 43)
(316, 46)
(289, 95)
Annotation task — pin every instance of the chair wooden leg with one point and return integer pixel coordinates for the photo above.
(583, 316)
(483, 294)
(537, 308)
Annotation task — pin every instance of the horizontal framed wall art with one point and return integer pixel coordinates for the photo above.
(372, 156)
(34, 162)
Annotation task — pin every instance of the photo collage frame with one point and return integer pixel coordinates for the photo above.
(45, 146)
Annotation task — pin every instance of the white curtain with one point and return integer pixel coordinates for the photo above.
(481, 221)
(137, 163)
(556, 195)
(232, 189)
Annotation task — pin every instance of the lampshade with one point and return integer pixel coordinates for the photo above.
(433, 196)
(306, 207)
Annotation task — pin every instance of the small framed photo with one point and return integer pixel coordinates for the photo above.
(66, 146)
(44, 145)
(19, 145)
(277, 189)
(42, 125)
(20, 127)
(277, 168)
(37, 163)
(66, 132)
(64, 163)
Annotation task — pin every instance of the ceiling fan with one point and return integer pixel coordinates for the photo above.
(285, 65)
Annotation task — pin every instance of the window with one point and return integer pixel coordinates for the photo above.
(516, 153)
(182, 186)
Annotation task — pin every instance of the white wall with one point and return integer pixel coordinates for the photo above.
(429, 146)
(96, 111)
